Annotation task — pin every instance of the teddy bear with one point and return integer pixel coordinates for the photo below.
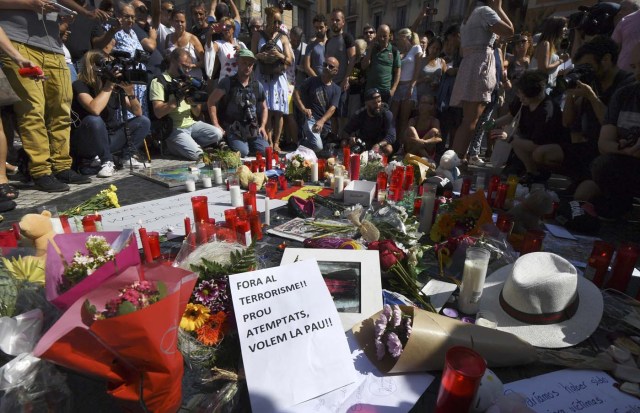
(245, 176)
(39, 229)
(448, 167)
(528, 214)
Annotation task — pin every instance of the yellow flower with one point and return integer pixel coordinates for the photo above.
(28, 268)
(113, 188)
(113, 198)
(194, 317)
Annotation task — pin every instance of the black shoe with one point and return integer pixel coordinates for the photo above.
(6, 205)
(49, 183)
(70, 176)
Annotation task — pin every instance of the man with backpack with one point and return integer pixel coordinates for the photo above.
(238, 107)
(187, 136)
(382, 63)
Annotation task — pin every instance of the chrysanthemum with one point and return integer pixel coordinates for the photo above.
(194, 317)
(206, 292)
(210, 333)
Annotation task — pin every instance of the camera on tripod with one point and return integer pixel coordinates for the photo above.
(119, 66)
(187, 87)
(583, 73)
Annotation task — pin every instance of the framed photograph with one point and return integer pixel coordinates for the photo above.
(352, 277)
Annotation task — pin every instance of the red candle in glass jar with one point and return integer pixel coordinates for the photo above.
(397, 180)
(381, 180)
(200, 208)
(466, 186)
(89, 223)
(154, 244)
(598, 262)
(355, 167)
(463, 370)
(417, 204)
(532, 241)
(346, 156)
(243, 232)
(246, 200)
(283, 182)
(501, 196)
(256, 225)
(622, 268)
(187, 226)
(322, 166)
(269, 157)
(493, 189)
(504, 223)
(64, 220)
(408, 177)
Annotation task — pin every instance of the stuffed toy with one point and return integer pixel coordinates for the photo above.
(422, 165)
(448, 167)
(528, 214)
(245, 176)
(38, 229)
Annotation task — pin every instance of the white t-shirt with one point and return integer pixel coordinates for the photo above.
(475, 32)
(409, 63)
(163, 32)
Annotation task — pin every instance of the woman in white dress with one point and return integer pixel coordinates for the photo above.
(224, 50)
(181, 38)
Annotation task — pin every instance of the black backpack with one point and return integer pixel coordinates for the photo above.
(276, 68)
(160, 128)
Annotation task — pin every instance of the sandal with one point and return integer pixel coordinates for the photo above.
(8, 192)
(11, 169)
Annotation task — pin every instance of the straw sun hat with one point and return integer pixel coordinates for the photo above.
(541, 299)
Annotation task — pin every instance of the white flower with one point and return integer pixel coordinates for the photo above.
(295, 163)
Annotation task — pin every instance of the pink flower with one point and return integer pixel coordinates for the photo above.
(408, 326)
(397, 315)
(394, 345)
(132, 296)
(379, 348)
(381, 325)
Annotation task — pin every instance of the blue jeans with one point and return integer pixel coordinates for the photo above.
(188, 143)
(92, 138)
(250, 146)
(311, 139)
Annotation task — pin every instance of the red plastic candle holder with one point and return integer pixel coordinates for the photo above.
(271, 189)
(501, 196)
(89, 223)
(598, 263)
(463, 370)
(154, 244)
(466, 186)
(504, 223)
(355, 167)
(623, 265)
(408, 177)
(532, 241)
(200, 208)
(494, 182)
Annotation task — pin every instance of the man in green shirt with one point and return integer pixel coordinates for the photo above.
(382, 63)
(188, 136)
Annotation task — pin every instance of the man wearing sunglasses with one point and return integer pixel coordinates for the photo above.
(317, 98)
(371, 123)
(368, 33)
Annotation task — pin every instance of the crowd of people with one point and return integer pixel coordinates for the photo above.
(566, 99)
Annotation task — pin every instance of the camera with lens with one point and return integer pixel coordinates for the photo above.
(119, 66)
(285, 5)
(583, 73)
(187, 87)
(359, 146)
(594, 20)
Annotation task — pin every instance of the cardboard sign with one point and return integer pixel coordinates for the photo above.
(572, 391)
(292, 341)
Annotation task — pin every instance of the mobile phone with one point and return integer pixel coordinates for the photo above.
(63, 10)
(217, 27)
(35, 71)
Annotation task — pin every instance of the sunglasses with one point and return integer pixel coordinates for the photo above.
(328, 66)
(277, 22)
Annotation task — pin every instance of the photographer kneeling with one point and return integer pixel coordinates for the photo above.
(101, 132)
(372, 125)
(178, 97)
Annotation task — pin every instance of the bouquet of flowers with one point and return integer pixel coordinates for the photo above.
(396, 224)
(134, 297)
(228, 159)
(298, 167)
(99, 252)
(393, 329)
(105, 199)
(465, 215)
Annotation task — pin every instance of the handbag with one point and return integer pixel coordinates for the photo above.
(276, 68)
(7, 95)
(502, 147)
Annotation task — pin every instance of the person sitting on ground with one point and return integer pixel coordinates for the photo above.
(615, 173)
(585, 108)
(424, 130)
(317, 98)
(238, 107)
(373, 125)
(540, 124)
(188, 136)
(101, 132)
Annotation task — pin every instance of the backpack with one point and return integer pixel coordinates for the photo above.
(276, 68)
(160, 128)
(239, 95)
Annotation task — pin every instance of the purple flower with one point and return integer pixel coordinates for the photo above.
(397, 315)
(379, 348)
(206, 292)
(381, 325)
(408, 326)
(386, 311)
(394, 345)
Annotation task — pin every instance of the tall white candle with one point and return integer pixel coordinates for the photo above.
(473, 277)
(267, 211)
(314, 172)
(426, 208)
(338, 186)
(190, 185)
(236, 196)
(217, 176)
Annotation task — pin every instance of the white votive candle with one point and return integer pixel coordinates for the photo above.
(217, 176)
(473, 276)
(190, 185)
(338, 186)
(314, 172)
(236, 196)
(206, 181)
(267, 211)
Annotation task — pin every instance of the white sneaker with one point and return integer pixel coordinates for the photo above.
(107, 170)
(475, 160)
(136, 164)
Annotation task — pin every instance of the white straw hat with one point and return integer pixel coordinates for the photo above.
(541, 299)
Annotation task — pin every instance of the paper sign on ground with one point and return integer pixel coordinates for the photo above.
(572, 391)
(558, 231)
(292, 342)
(164, 213)
(372, 392)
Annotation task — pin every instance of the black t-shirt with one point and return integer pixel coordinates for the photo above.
(542, 126)
(337, 46)
(154, 65)
(78, 42)
(372, 129)
(200, 33)
(624, 110)
(231, 107)
(319, 97)
(108, 115)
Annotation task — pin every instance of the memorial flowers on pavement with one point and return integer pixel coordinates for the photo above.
(105, 199)
(99, 253)
(134, 297)
(392, 331)
(298, 168)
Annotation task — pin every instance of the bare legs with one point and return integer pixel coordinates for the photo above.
(274, 128)
(471, 112)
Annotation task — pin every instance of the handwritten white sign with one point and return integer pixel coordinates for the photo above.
(293, 345)
(164, 213)
(573, 391)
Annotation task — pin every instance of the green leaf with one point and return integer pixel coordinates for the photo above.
(240, 261)
(8, 295)
(126, 308)
(162, 289)
(90, 307)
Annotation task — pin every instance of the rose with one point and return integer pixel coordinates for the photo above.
(390, 254)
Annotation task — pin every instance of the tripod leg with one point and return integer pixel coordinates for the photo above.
(146, 149)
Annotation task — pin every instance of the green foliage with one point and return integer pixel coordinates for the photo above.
(126, 308)
(240, 261)
(8, 295)
(162, 290)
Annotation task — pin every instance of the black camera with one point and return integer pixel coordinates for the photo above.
(359, 146)
(187, 87)
(594, 20)
(119, 66)
(285, 5)
(583, 73)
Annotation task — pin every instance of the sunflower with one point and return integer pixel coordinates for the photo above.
(195, 315)
(210, 333)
